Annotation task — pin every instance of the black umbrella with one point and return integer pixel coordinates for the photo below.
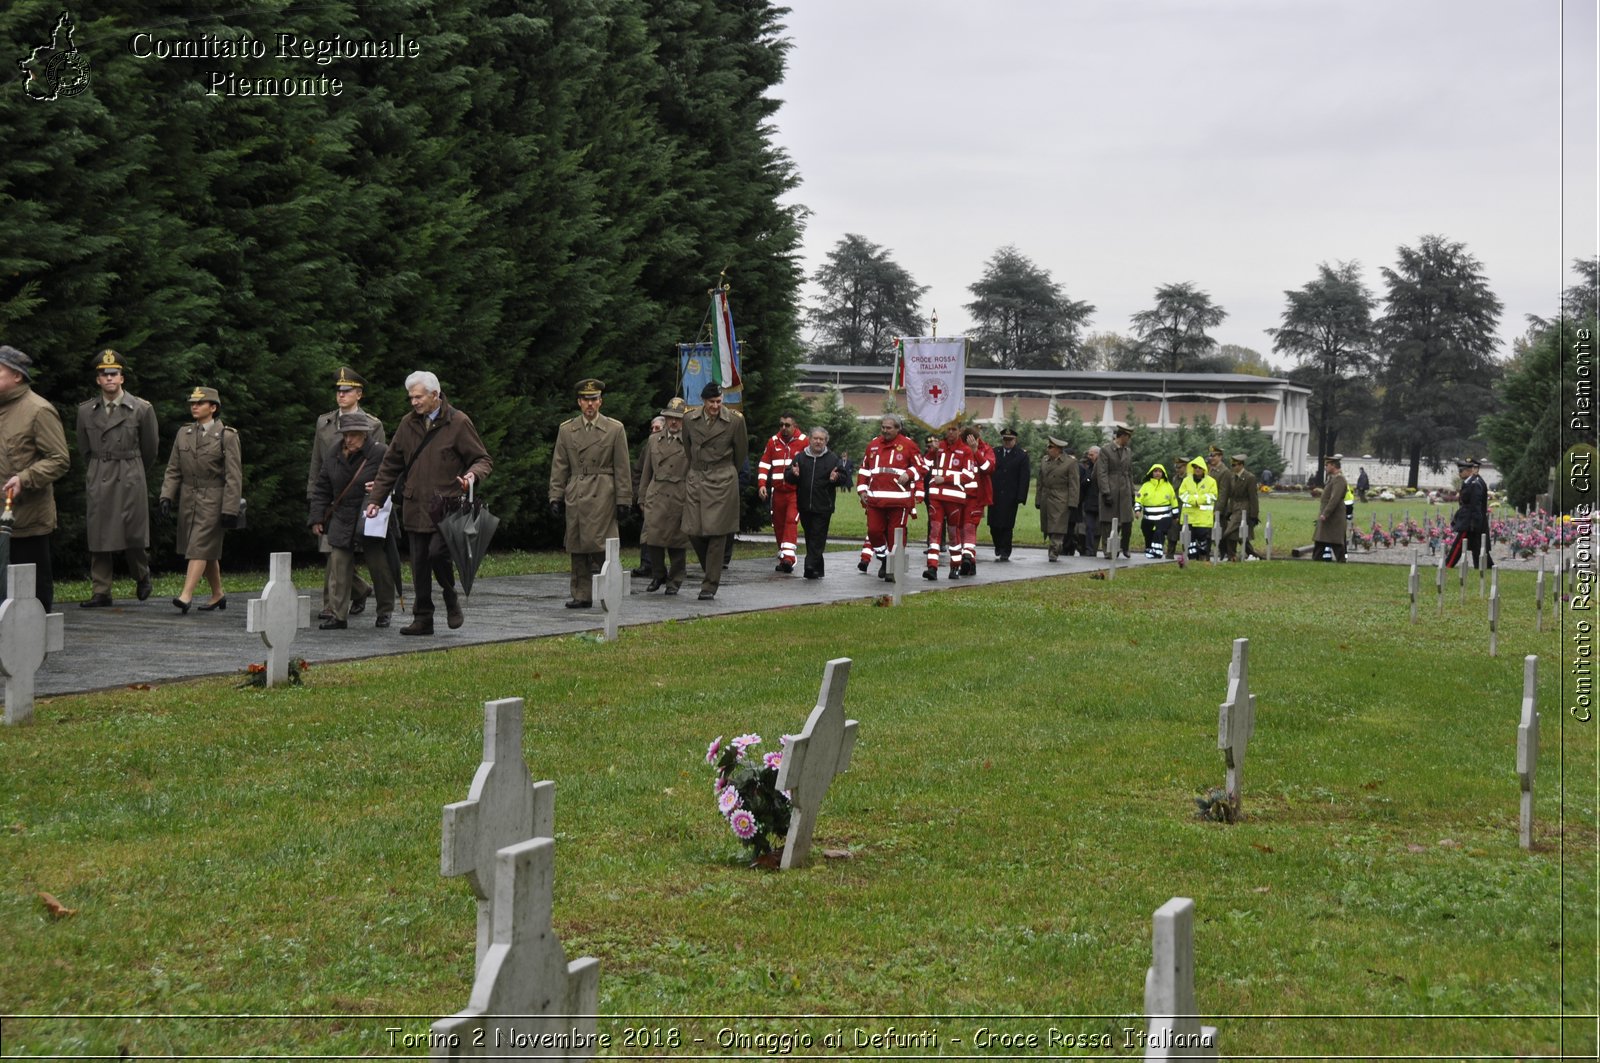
(7, 524)
(467, 532)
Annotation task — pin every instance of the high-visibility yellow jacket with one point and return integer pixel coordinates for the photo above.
(1156, 499)
(1198, 496)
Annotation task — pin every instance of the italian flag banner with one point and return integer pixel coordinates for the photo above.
(933, 373)
(726, 365)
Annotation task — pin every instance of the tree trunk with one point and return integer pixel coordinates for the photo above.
(1416, 465)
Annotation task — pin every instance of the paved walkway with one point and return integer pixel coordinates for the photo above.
(151, 642)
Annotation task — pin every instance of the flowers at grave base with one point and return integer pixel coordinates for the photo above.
(1215, 805)
(256, 674)
(747, 793)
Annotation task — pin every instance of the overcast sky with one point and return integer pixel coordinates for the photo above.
(1235, 144)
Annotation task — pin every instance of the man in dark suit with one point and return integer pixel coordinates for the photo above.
(1011, 479)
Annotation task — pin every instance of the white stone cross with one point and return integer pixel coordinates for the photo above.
(1461, 578)
(277, 615)
(27, 633)
(1268, 534)
(1112, 541)
(1494, 616)
(503, 807)
(1172, 1023)
(813, 757)
(1412, 584)
(611, 586)
(897, 566)
(525, 992)
(1538, 606)
(1236, 721)
(1528, 747)
(1439, 579)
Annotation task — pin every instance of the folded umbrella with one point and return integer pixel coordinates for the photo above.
(7, 525)
(467, 532)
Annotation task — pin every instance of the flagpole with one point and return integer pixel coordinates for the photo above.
(936, 324)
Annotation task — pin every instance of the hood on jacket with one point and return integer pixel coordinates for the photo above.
(1154, 467)
(1200, 463)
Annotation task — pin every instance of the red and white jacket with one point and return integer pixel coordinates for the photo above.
(883, 468)
(951, 474)
(983, 467)
(775, 461)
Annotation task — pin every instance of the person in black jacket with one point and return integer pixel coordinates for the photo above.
(338, 496)
(818, 476)
(1471, 522)
(1089, 502)
(1011, 479)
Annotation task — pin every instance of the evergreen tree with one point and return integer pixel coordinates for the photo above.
(867, 300)
(1328, 327)
(1172, 335)
(1438, 338)
(1023, 319)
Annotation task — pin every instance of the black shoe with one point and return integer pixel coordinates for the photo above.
(358, 606)
(862, 567)
(220, 603)
(1001, 557)
(640, 573)
(930, 573)
(182, 605)
(382, 621)
(786, 566)
(333, 625)
(421, 625)
(573, 603)
(706, 596)
(955, 572)
(883, 569)
(672, 590)
(969, 567)
(813, 575)
(655, 585)
(99, 601)
(144, 589)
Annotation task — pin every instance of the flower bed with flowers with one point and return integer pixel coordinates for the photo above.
(747, 793)
(1522, 536)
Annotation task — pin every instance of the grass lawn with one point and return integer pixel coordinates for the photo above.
(1019, 803)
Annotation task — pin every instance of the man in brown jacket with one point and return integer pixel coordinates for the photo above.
(1243, 506)
(117, 439)
(718, 449)
(435, 453)
(591, 485)
(33, 456)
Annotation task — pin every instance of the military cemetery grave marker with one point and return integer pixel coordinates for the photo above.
(1538, 602)
(1112, 541)
(504, 807)
(1183, 541)
(1528, 748)
(1268, 534)
(813, 757)
(1236, 721)
(27, 633)
(611, 587)
(1494, 614)
(897, 566)
(1439, 579)
(527, 1001)
(1172, 1025)
(277, 615)
(1412, 583)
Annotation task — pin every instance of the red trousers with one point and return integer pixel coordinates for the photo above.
(785, 523)
(945, 519)
(881, 525)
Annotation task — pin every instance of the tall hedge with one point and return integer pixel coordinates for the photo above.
(545, 192)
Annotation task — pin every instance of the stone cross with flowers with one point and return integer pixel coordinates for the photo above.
(277, 615)
(813, 757)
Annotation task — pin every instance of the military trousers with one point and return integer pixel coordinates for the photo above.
(100, 567)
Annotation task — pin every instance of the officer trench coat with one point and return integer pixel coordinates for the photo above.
(663, 468)
(718, 449)
(204, 479)
(1057, 494)
(343, 477)
(117, 443)
(328, 441)
(1114, 470)
(590, 474)
(1331, 525)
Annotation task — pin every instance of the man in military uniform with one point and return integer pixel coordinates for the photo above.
(1114, 470)
(1221, 473)
(348, 388)
(718, 449)
(118, 439)
(663, 468)
(591, 483)
(1243, 506)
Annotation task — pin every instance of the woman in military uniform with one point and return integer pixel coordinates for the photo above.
(204, 484)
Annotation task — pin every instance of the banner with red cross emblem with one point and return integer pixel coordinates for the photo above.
(934, 375)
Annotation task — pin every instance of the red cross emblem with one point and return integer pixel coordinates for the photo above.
(934, 391)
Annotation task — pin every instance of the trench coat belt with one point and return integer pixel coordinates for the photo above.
(705, 465)
(213, 482)
(118, 455)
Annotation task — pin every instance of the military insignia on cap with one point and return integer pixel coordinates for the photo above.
(349, 378)
(108, 359)
(589, 388)
(676, 408)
